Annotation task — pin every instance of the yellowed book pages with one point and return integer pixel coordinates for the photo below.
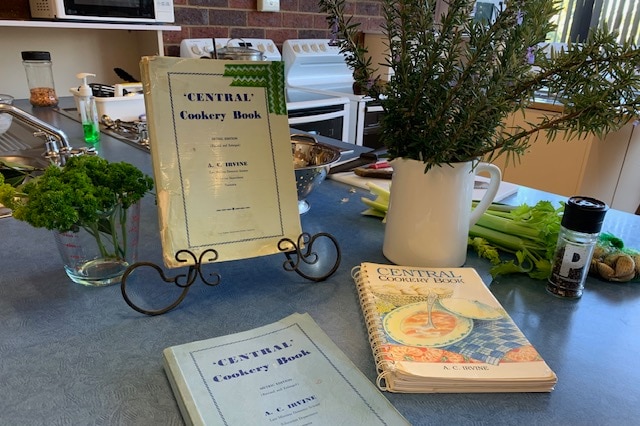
(222, 157)
(441, 330)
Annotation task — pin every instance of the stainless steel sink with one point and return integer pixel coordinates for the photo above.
(26, 160)
(12, 176)
(19, 138)
(32, 141)
(29, 144)
(20, 148)
(56, 140)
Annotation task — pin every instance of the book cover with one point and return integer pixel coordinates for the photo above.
(285, 373)
(442, 330)
(222, 159)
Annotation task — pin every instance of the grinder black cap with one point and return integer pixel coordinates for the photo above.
(584, 214)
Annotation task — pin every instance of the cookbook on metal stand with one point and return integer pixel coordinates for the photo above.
(223, 170)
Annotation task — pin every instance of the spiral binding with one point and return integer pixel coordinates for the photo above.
(374, 328)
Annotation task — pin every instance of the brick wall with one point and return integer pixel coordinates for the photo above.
(240, 18)
(15, 9)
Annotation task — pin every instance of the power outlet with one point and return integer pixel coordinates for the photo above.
(268, 5)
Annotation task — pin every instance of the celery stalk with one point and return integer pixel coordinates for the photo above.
(379, 206)
(527, 233)
(376, 205)
(530, 233)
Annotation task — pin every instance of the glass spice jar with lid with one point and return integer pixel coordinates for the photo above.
(38, 67)
(579, 231)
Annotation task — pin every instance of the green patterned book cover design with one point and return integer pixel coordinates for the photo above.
(265, 74)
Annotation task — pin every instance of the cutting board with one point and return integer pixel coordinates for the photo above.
(506, 188)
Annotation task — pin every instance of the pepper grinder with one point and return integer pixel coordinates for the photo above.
(579, 231)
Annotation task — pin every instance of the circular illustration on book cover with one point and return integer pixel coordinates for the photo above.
(426, 324)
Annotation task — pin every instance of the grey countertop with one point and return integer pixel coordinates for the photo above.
(76, 355)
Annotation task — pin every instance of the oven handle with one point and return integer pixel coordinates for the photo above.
(318, 117)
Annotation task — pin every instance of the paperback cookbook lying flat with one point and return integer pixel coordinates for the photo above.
(285, 373)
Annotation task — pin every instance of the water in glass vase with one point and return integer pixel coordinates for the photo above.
(99, 254)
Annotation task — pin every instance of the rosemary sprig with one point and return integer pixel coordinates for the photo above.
(455, 80)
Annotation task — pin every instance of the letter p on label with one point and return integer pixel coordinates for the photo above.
(574, 257)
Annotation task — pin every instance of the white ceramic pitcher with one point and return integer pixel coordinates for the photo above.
(430, 213)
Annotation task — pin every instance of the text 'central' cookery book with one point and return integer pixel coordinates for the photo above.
(441, 330)
(285, 373)
(221, 155)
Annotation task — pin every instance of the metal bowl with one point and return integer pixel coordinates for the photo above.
(311, 161)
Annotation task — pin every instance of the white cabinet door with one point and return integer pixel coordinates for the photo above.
(627, 194)
(606, 159)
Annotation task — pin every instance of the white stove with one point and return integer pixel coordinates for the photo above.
(319, 112)
(196, 48)
(266, 46)
(206, 47)
(317, 66)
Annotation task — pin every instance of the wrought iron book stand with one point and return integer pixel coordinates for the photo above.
(297, 253)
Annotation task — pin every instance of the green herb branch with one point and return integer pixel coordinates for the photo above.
(350, 44)
(455, 80)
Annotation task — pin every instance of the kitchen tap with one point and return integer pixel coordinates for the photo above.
(57, 146)
(44, 128)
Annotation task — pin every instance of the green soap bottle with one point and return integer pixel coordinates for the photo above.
(88, 110)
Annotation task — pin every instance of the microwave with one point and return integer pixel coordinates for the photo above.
(134, 11)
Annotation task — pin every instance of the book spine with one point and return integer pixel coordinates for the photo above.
(180, 388)
(374, 327)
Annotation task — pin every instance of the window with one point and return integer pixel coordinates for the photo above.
(486, 10)
(578, 16)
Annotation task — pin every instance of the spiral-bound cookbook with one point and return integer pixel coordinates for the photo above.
(440, 330)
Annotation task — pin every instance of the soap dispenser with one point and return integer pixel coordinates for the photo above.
(88, 110)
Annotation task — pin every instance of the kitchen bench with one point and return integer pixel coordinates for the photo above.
(77, 355)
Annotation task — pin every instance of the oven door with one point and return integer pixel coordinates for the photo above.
(371, 126)
(319, 114)
(327, 121)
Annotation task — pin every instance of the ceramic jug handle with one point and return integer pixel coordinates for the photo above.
(490, 194)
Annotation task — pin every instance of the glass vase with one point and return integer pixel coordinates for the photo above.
(98, 254)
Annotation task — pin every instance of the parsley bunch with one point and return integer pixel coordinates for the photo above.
(76, 194)
(88, 192)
